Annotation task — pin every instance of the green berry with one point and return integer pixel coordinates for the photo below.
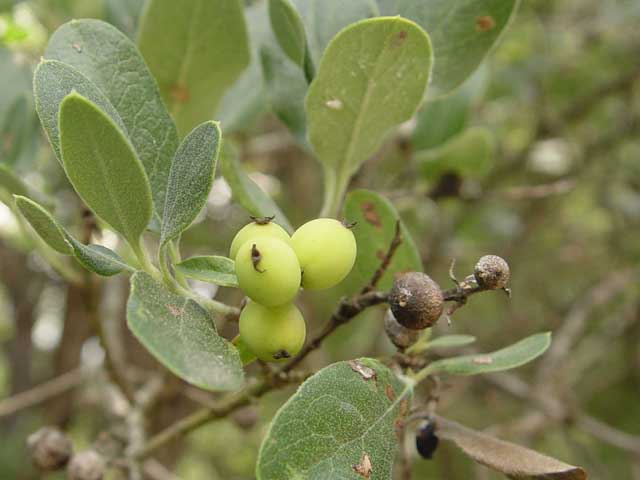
(272, 334)
(256, 229)
(326, 250)
(268, 271)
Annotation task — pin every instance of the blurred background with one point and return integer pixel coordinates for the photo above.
(535, 158)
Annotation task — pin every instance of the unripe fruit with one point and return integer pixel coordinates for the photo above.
(256, 229)
(268, 271)
(426, 440)
(272, 334)
(492, 272)
(401, 336)
(326, 250)
(416, 300)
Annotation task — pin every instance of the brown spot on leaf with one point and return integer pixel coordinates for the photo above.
(388, 391)
(77, 47)
(364, 467)
(364, 371)
(175, 311)
(398, 428)
(399, 39)
(380, 255)
(485, 23)
(180, 93)
(403, 408)
(483, 360)
(370, 215)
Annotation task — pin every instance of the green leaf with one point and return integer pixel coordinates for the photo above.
(44, 224)
(195, 50)
(104, 168)
(245, 191)
(17, 130)
(190, 179)
(112, 62)
(450, 341)
(210, 269)
(10, 182)
(376, 221)
(469, 154)
(95, 258)
(462, 33)
(441, 119)
(98, 259)
(346, 417)
(288, 29)
(181, 335)
(361, 91)
(510, 357)
(246, 98)
(53, 81)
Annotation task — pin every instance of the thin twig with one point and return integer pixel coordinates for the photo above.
(41, 393)
(396, 241)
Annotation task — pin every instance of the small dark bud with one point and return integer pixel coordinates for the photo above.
(87, 465)
(402, 337)
(426, 440)
(492, 272)
(416, 300)
(50, 449)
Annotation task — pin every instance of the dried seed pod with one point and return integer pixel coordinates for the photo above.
(50, 449)
(87, 465)
(416, 300)
(426, 440)
(401, 336)
(492, 272)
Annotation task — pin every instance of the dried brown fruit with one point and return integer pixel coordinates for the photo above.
(492, 272)
(416, 300)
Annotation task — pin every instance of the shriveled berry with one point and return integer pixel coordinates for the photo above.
(256, 229)
(326, 249)
(272, 334)
(86, 465)
(416, 300)
(50, 449)
(426, 440)
(492, 272)
(401, 336)
(268, 271)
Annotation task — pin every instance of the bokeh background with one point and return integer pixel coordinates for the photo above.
(535, 158)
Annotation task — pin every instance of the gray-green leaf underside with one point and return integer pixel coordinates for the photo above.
(211, 269)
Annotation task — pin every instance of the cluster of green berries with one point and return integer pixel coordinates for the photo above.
(271, 266)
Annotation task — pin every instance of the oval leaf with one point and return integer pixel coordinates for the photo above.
(450, 341)
(469, 154)
(112, 62)
(44, 224)
(376, 221)
(462, 33)
(512, 460)
(195, 50)
(55, 80)
(288, 29)
(371, 78)
(181, 335)
(343, 422)
(10, 182)
(98, 259)
(510, 357)
(103, 167)
(210, 269)
(190, 179)
(245, 191)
